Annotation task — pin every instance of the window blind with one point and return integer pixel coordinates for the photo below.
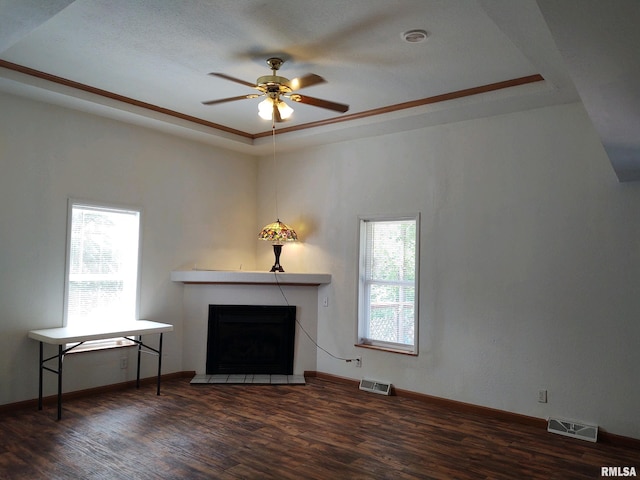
(103, 264)
(389, 282)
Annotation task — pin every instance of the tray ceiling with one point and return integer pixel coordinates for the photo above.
(148, 62)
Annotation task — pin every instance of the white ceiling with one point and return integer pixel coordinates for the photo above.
(600, 44)
(159, 52)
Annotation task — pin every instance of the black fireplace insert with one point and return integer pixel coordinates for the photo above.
(251, 339)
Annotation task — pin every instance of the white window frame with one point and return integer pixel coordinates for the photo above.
(109, 207)
(363, 337)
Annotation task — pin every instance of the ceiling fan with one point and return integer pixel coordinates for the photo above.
(275, 88)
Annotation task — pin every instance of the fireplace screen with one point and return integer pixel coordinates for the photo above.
(251, 339)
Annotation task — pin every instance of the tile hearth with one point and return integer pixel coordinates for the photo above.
(256, 379)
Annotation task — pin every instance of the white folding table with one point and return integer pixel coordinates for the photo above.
(80, 334)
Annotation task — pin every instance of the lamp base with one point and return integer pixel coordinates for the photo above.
(277, 250)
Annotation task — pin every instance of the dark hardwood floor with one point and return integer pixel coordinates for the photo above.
(322, 430)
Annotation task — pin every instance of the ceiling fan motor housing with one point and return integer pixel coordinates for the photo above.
(273, 84)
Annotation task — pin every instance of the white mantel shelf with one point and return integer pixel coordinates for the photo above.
(238, 277)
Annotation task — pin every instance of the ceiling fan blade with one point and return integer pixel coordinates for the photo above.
(230, 99)
(306, 81)
(317, 102)
(233, 79)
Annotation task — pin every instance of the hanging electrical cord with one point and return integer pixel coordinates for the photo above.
(307, 333)
(275, 169)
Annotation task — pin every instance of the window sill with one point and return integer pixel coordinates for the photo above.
(386, 349)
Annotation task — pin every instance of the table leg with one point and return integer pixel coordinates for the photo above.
(40, 380)
(159, 362)
(138, 368)
(60, 358)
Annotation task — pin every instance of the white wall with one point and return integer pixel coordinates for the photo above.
(530, 265)
(191, 195)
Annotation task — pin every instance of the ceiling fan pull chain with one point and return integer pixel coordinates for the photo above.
(275, 166)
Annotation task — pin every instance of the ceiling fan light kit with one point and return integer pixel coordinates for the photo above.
(276, 88)
(265, 109)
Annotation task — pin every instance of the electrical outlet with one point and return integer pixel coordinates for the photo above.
(123, 363)
(542, 396)
(359, 362)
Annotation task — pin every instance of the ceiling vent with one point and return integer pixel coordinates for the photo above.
(414, 36)
(572, 429)
(375, 387)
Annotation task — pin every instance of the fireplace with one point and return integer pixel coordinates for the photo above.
(251, 339)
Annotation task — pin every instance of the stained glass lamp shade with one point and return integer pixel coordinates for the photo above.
(278, 233)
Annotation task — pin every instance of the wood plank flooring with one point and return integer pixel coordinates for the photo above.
(319, 431)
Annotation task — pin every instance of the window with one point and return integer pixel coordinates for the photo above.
(388, 285)
(102, 266)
